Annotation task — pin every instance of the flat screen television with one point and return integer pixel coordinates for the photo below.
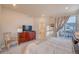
(27, 28)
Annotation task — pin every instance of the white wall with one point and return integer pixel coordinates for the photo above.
(0, 25)
(11, 19)
(0, 19)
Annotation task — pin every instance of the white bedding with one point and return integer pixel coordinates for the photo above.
(50, 46)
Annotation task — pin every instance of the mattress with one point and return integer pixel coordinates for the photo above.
(51, 46)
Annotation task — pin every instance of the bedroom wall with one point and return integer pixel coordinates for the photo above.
(0, 19)
(11, 19)
(0, 25)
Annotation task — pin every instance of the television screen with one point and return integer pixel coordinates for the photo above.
(27, 28)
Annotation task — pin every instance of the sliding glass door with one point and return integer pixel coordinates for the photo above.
(69, 28)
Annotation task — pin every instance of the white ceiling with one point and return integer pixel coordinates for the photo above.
(44, 9)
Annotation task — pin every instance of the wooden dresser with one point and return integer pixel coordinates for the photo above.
(26, 36)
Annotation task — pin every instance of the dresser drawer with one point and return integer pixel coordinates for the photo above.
(26, 36)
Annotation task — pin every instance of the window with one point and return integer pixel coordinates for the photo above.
(68, 28)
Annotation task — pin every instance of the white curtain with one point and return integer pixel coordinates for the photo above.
(42, 28)
(58, 23)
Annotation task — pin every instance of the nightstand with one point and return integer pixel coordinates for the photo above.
(76, 42)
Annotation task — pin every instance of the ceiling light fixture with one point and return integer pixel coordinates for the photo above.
(14, 5)
(43, 15)
(66, 8)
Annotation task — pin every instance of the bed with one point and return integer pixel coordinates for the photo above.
(50, 46)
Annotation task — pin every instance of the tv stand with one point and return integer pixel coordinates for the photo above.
(26, 36)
